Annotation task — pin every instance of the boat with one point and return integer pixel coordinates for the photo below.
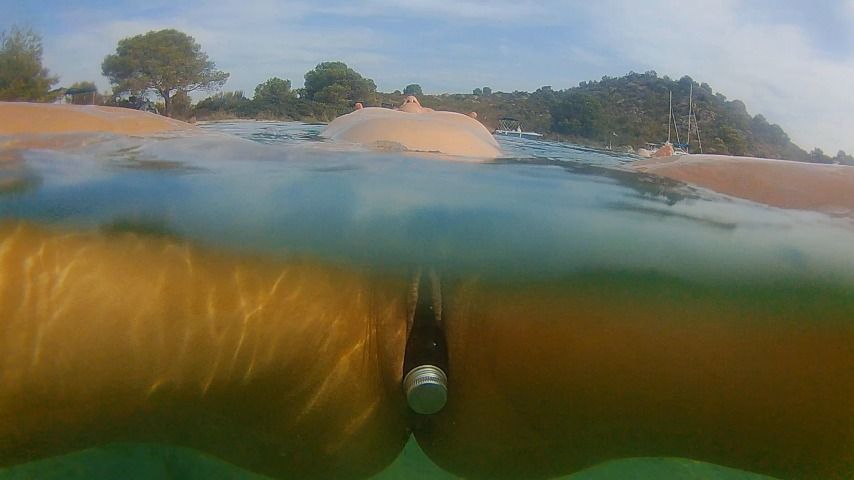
(679, 148)
(510, 127)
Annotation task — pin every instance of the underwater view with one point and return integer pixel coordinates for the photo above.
(236, 303)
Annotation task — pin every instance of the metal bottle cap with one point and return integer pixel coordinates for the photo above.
(426, 388)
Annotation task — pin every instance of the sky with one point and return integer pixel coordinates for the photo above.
(790, 60)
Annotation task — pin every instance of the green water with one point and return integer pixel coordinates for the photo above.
(147, 461)
(601, 323)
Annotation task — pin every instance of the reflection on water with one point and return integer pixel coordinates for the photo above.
(249, 299)
(133, 158)
(141, 226)
(273, 133)
(645, 185)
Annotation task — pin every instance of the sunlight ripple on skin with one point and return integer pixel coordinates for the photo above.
(106, 337)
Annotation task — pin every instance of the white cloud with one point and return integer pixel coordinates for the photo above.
(447, 10)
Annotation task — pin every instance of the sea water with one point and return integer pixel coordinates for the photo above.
(597, 318)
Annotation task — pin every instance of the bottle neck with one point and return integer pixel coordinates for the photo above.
(425, 362)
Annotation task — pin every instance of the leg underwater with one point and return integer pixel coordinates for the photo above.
(290, 369)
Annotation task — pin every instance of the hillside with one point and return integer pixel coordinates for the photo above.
(635, 108)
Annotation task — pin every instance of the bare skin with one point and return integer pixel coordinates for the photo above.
(416, 128)
(40, 118)
(779, 183)
(411, 104)
(289, 369)
(550, 378)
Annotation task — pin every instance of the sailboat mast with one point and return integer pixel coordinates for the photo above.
(673, 119)
(669, 116)
(690, 108)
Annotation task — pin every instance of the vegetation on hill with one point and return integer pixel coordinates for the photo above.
(634, 110)
(631, 111)
(413, 89)
(331, 89)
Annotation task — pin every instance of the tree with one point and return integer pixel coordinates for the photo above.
(578, 114)
(274, 91)
(22, 76)
(413, 89)
(336, 83)
(843, 158)
(477, 91)
(225, 104)
(544, 95)
(717, 145)
(487, 91)
(165, 61)
(274, 96)
(817, 155)
(768, 133)
(182, 105)
(734, 139)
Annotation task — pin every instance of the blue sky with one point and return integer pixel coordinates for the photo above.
(791, 60)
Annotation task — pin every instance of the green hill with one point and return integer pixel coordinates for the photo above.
(635, 108)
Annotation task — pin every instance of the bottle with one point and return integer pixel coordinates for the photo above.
(425, 362)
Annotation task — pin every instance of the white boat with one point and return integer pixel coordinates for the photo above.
(511, 127)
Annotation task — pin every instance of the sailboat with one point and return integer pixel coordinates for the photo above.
(685, 148)
(691, 115)
(678, 148)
